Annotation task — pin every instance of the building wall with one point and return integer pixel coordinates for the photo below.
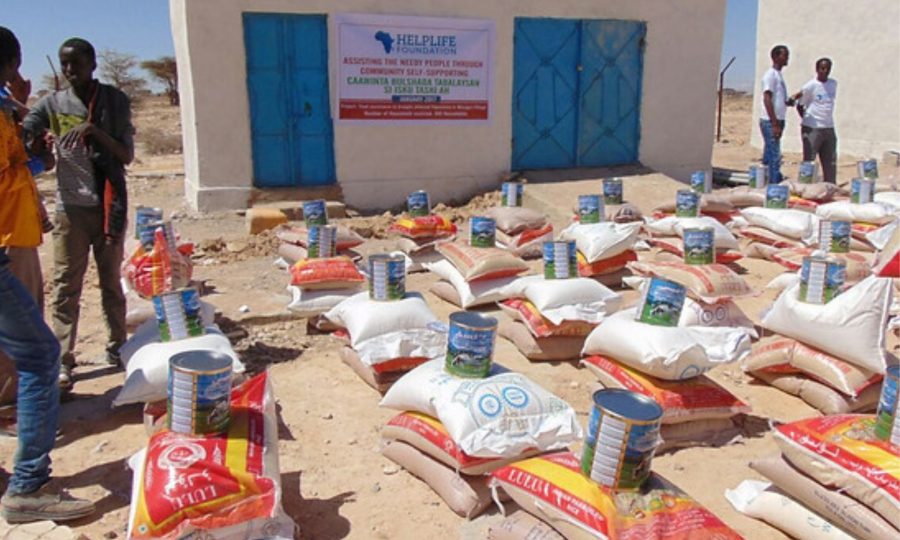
(862, 38)
(681, 59)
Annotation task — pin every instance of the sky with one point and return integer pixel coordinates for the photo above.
(141, 28)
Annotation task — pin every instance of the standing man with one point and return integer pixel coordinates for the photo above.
(815, 103)
(771, 122)
(92, 124)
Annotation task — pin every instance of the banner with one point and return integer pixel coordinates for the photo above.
(413, 69)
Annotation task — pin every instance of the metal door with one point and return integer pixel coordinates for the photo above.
(287, 83)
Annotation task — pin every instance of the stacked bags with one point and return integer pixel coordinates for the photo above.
(603, 249)
(294, 242)
(422, 230)
(667, 234)
(158, 263)
(521, 231)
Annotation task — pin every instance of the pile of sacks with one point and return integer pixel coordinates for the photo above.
(421, 234)
(521, 231)
(295, 239)
(603, 249)
(667, 234)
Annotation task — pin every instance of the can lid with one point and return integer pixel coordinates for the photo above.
(628, 404)
(201, 361)
(473, 320)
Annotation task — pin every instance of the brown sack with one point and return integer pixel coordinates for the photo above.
(482, 263)
(291, 253)
(708, 203)
(709, 432)
(379, 381)
(514, 220)
(554, 349)
(521, 525)
(445, 291)
(820, 396)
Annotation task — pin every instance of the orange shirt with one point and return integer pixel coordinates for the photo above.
(20, 221)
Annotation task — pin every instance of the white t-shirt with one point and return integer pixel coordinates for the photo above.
(773, 82)
(818, 99)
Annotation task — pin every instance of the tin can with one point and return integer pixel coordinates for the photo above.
(887, 418)
(418, 204)
(808, 172)
(701, 182)
(511, 194)
(315, 213)
(470, 344)
(321, 241)
(777, 195)
(867, 169)
(199, 392)
(834, 236)
(560, 260)
(687, 203)
(622, 437)
(144, 215)
(178, 314)
(387, 277)
(758, 175)
(147, 234)
(590, 209)
(613, 193)
(821, 279)
(862, 190)
(662, 303)
(482, 232)
(699, 245)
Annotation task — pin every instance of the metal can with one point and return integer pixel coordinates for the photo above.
(613, 192)
(482, 231)
(662, 303)
(560, 260)
(147, 234)
(199, 392)
(315, 212)
(862, 190)
(418, 204)
(622, 437)
(470, 344)
(777, 195)
(887, 418)
(699, 245)
(808, 172)
(821, 279)
(834, 236)
(701, 182)
(178, 314)
(511, 194)
(687, 203)
(867, 169)
(321, 241)
(144, 215)
(590, 209)
(387, 277)
(758, 175)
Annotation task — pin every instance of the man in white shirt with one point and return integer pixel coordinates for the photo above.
(815, 103)
(771, 122)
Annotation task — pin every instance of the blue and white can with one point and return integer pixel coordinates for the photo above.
(862, 190)
(470, 344)
(758, 175)
(147, 235)
(613, 193)
(178, 314)
(687, 203)
(315, 212)
(821, 279)
(808, 172)
(699, 245)
(387, 277)
(887, 417)
(199, 392)
(482, 232)
(834, 236)
(777, 195)
(560, 260)
(590, 209)
(321, 242)
(701, 182)
(418, 204)
(144, 215)
(867, 169)
(662, 303)
(511, 193)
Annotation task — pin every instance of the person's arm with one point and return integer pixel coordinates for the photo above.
(86, 129)
(770, 111)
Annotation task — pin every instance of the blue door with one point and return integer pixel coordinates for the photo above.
(576, 92)
(290, 116)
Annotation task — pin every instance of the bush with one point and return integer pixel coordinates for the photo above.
(158, 142)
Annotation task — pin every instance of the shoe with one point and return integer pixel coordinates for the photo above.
(47, 503)
(114, 357)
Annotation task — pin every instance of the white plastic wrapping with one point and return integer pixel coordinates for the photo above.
(365, 318)
(675, 226)
(795, 224)
(873, 212)
(597, 241)
(576, 299)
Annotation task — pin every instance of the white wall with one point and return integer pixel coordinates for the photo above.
(862, 38)
(681, 63)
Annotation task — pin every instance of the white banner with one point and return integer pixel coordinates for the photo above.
(413, 69)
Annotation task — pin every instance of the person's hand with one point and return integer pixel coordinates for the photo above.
(76, 135)
(776, 130)
(20, 88)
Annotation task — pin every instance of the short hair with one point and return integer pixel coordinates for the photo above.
(80, 46)
(777, 50)
(10, 50)
(824, 59)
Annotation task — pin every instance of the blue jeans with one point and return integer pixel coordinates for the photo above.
(771, 151)
(26, 339)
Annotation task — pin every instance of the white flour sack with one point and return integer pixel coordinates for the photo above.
(502, 415)
(795, 224)
(597, 241)
(670, 353)
(850, 327)
(675, 226)
(873, 212)
(365, 318)
(576, 299)
(312, 302)
(477, 293)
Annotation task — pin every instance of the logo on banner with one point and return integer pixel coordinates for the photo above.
(386, 40)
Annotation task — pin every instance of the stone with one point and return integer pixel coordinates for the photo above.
(262, 219)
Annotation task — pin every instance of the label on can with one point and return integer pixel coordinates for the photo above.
(199, 390)
(700, 182)
(777, 195)
(560, 260)
(321, 241)
(144, 215)
(834, 236)
(662, 303)
(315, 213)
(511, 194)
(867, 169)
(758, 175)
(387, 277)
(821, 279)
(807, 172)
(482, 232)
(699, 245)
(687, 203)
(470, 344)
(887, 426)
(590, 209)
(862, 190)
(147, 234)
(612, 191)
(178, 314)
(418, 204)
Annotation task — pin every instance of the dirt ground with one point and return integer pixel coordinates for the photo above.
(335, 483)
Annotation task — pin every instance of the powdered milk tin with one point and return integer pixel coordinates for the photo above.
(808, 172)
(147, 234)
(701, 182)
(662, 303)
(590, 209)
(867, 169)
(178, 314)
(470, 344)
(777, 195)
(862, 190)
(321, 241)
(834, 236)
(315, 213)
(623, 434)
(199, 392)
(511, 194)
(821, 279)
(560, 260)
(418, 204)
(482, 231)
(887, 419)
(387, 277)
(612, 191)
(699, 245)
(144, 215)
(687, 203)
(758, 175)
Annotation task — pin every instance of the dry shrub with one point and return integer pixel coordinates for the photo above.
(158, 142)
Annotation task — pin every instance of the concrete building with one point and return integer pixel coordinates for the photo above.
(862, 38)
(571, 83)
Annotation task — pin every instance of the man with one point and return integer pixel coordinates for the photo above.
(815, 103)
(92, 124)
(774, 103)
(24, 336)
